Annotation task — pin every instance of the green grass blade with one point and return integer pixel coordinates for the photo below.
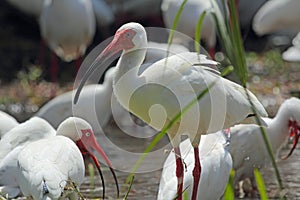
(198, 32)
(240, 60)
(130, 185)
(175, 22)
(221, 28)
(231, 41)
(174, 26)
(91, 171)
(229, 191)
(185, 195)
(260, 185)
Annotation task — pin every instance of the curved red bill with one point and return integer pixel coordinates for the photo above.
(87, 144)
(294, 130)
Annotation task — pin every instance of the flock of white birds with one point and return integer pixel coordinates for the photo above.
(42, 157)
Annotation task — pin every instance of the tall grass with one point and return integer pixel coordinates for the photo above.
(229, 33)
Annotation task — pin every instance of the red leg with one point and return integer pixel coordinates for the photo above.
(54, 68)
(196, 173)
(179, 172)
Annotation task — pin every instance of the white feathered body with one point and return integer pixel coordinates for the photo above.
(216, 164)
(247, 146)
(177, 84)
(50, 163)
(277, 15)
(10, 146)
(68, 26)
(7, 123)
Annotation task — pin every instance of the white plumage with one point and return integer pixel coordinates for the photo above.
(48, 167)
(10, 146)
(292, 54)
(247, 146)
(216, 164)
(159, 93)
(276, 15)
(189, 17)
(7, 122)
(68, 26)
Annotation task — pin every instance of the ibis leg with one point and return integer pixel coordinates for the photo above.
(196, 173)
(179, 172)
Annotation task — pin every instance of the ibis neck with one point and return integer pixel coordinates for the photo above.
(130, 62)
(126, 79)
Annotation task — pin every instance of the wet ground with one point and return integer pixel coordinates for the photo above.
(145, 185)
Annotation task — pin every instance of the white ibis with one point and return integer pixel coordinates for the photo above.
(188, 20)
(277, 15)
(10, 146)
(216, 164)
(48, 166)
(292, 54)
(159, 93)
(68, 27)
(8, 122)
(247, 146)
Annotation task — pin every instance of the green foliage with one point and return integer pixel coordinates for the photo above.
(260, 185)
(91, 171)
(130, 185)
(185, 195)
(231, 40)
(174, 25)
(198, 32)
(229, 191)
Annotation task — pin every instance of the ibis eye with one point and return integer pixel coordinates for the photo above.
(87, 134)
(128, 34)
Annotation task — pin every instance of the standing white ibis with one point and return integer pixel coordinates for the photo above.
(68, 27)
(47, 167)
(188, 19)
(277, 15)
(7, 122)
(166, 87)
(10, 146)
(216, 164)
(247, 146)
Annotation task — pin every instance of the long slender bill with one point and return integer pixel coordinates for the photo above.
(104, 58)
(91, 144)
